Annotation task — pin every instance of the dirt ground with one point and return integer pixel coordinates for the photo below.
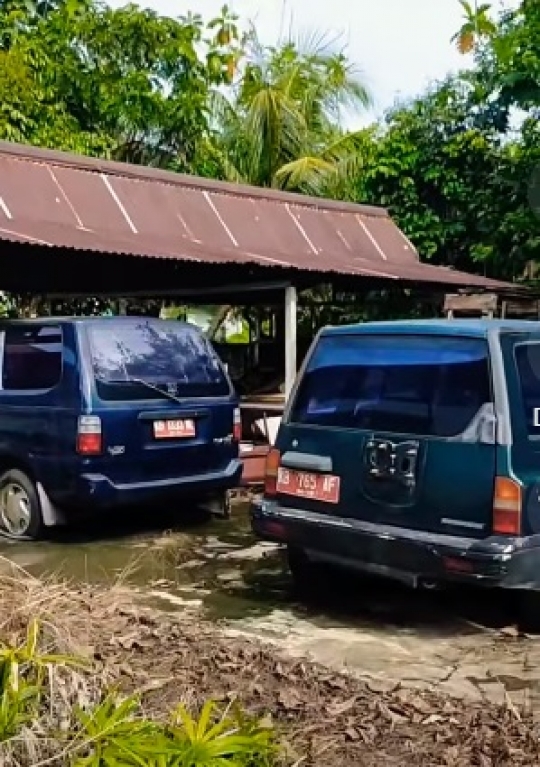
(324, 718)
(452, 643)
(366, 674)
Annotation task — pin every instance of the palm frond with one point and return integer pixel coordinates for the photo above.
(279, 124)
(276, 129)
(468, 9)
(231, 172)
(346, 145)
(220, 109)
(306, 174)
(318, 43)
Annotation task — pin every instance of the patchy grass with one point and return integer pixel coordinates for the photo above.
(88, 670)
(60, 704)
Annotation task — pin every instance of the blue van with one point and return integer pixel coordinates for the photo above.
(411, 450)
(97, 413)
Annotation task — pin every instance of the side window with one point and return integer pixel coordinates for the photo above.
(32, 357)
(413, 385)
(528, 368)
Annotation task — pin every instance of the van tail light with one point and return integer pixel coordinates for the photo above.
(271, 472)
(89, 437)
(507, 504)
(237, 425)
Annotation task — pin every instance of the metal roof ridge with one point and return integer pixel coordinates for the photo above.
(30, 153)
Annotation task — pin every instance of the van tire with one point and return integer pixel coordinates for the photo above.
(27, 492)
(529, 611)
(308, 576)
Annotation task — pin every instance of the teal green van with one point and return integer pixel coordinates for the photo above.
(411, 450)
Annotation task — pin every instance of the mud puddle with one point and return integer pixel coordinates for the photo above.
(449, 642)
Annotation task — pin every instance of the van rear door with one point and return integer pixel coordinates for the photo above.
(397, 426)
(164, 398)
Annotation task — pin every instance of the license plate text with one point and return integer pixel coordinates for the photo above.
(317, 487)
(178, 428)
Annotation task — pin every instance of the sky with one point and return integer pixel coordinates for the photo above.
(400, 46)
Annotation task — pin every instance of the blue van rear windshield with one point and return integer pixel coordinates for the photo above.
(422, 385)
(167, 354)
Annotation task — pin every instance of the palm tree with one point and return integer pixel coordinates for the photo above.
(280, 126)
(476, 25)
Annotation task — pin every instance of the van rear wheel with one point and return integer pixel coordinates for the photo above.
(20, 508)
(529, 611)
(308, 576)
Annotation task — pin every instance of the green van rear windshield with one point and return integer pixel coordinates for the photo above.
(170, 355)
(422, 385)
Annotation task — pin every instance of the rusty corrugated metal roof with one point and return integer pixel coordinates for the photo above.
(74, 202)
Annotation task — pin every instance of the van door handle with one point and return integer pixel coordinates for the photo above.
(307, 462)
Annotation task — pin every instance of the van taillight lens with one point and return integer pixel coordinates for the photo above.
(89, 438)
(507, 504)
(271, 472)
(237, 425)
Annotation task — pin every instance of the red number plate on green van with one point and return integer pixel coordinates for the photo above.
(316, 487)
(174, 429)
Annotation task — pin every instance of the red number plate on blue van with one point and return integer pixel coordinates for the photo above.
(174, 429)
(316, 487)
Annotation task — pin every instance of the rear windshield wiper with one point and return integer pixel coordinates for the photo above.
(142, 382)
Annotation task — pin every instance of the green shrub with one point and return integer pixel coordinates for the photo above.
(114, 735)
(112, 732)
(24, 673)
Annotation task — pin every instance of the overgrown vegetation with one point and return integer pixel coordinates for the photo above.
(38, 724)
(103, 680)
(56, 710)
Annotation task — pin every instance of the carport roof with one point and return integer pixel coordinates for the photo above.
(71, 202)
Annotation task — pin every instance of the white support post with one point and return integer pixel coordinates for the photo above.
(291, 319)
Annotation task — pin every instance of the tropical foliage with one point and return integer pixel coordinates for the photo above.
(458, 166)
(123, 83)
(279, 125)
(45, 719)
(456, 187)
(477, 24)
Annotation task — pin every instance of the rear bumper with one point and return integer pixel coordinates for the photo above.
(97, 491)
(411, 556)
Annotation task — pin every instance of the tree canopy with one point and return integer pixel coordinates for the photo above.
(458, 166)
(280, 124)
(123, 83)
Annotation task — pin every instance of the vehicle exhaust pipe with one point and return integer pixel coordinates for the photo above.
(430, 585)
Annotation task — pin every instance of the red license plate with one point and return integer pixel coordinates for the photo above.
(316, 487)
(178, 428)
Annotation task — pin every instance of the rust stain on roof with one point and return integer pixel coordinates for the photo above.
(78, 203)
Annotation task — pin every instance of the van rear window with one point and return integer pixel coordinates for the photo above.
(131, 356)
(421, 385)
